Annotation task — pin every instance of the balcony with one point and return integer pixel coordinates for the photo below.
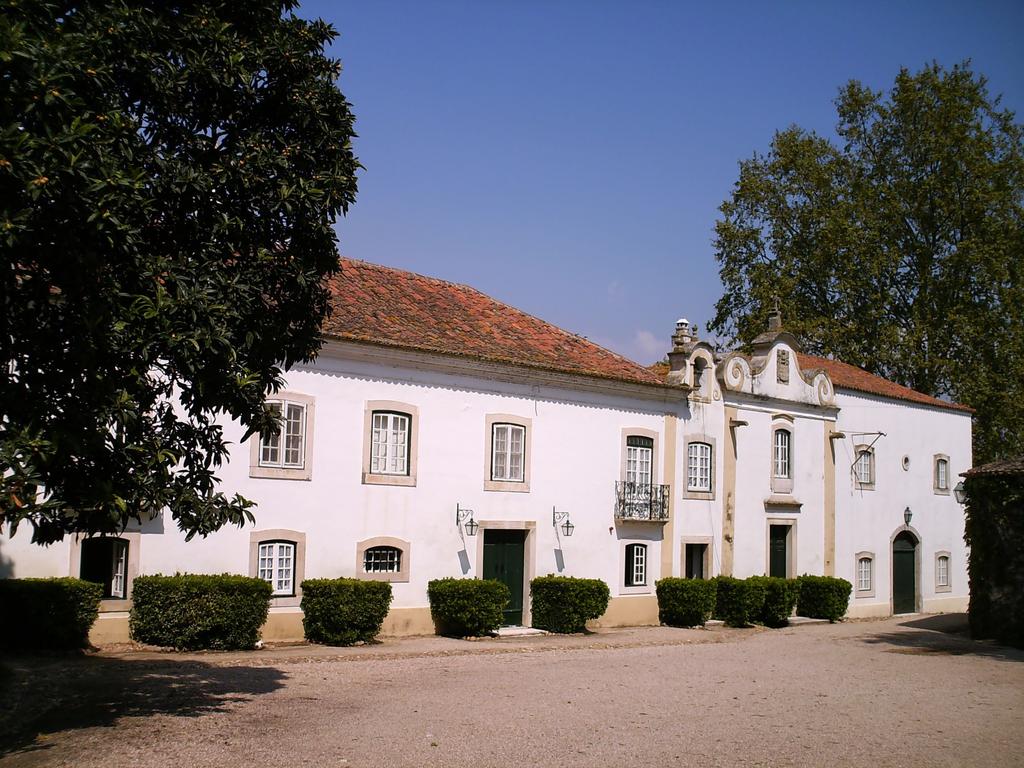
(639, 501)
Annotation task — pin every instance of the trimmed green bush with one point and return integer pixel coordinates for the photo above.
(467, 607)
(780, 596)
(685, 602)
(564, 604)
(823, 597)
(48, 613)
(738, 601)
(344, 611)
(190, 611)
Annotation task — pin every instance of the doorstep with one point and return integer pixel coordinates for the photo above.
(519, 632)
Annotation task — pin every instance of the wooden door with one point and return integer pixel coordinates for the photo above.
(778, 551)
(504, 552)
(904, 574)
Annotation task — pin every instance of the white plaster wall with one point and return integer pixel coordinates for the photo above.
(867, 520)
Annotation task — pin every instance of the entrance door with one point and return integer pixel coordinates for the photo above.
(503, 560)
(778, 551)
(904, 574)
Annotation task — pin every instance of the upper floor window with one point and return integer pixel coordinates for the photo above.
(285, 448)
(389, 443)
(276, 565)
(639, 460)
(636, 565)
(782, 454)
(508, 452)
(942, 574)
(105, 561)
(864, 467)
(941, 474)
(698, 467)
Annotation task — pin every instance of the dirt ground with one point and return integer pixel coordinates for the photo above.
(898, 692)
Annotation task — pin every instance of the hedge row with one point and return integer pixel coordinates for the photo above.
(343, 611)
(467, 607)
(51, 614)
(564, 604)
(764, 600)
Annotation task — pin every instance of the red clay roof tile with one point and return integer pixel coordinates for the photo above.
(391, 307)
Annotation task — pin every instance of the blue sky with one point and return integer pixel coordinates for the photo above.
(569, 158)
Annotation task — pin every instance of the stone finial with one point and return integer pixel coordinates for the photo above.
(775, 318)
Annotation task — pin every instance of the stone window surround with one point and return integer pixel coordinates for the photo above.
(709, 557)
(790, 543)
(857, 591)
(857, 484)
(699, 495)
(949, 571)
(935, 474)
(401, 575)
(280, 534)
(507, 485)
(639, 432)
(110, 604)
(643, 589)
(392, 406)
(782, 421)
(305, 472)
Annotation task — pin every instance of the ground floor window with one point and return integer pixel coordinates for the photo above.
(105, 561)
(696, 558)
(636, 565)
(277, 566)
(864, 574)
(382, 560)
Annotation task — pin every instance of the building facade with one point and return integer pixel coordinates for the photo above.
(442, 433)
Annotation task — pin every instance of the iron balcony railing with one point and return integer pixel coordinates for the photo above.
(640, 501)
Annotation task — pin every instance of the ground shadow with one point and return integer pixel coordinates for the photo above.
(51, 695)
(943, 634)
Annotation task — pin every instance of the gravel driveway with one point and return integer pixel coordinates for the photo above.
(882, 693)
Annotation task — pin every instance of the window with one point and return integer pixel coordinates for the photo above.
(864, 468)
(636, 565)
(508, 452)
(285, 449)
(286, 454)
(698, 472)
(276, 565)
(941, 474)
(389, 443)
(864, 575)
(382, 560)
(696, 561)
(942, 574)
(782, 454)
(105, 561)
(639, 460)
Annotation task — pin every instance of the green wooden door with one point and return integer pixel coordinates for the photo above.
(503, 560)
(778, 551)
(904, 574)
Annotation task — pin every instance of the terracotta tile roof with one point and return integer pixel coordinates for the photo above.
(846, 376)
(394, 308)
(1007, 467)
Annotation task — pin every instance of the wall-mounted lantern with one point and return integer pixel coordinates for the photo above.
(461, 515)
(567, 526)
(907, 514)
(960, 492)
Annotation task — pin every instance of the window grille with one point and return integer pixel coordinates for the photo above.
(382, 560)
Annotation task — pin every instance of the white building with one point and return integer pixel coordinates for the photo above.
(442, 433)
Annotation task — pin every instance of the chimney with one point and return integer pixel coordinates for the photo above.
(685, 333)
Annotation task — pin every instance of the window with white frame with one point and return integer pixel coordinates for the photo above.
(105, 561)
(508, 452)
(864, 467)
(389, 443)
(639, 460)
(698, 467)
(286, 448)
(865, 574)
(941, 473)
(382, 560)
(942, 571)
(636, 565)
(276, 565)
(782, 454)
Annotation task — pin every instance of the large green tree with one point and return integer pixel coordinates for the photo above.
(170, 174)
(898, 247)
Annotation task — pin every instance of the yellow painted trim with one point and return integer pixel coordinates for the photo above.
(729, 491)
(830, 500)
(629, 611)
(110, 628)
(669, 476)
(403, 622)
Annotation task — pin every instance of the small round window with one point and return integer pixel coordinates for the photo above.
(906, 463)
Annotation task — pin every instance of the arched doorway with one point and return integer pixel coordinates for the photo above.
(904, 573)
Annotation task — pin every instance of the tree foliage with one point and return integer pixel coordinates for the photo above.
(170, 173)
(898, 248)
